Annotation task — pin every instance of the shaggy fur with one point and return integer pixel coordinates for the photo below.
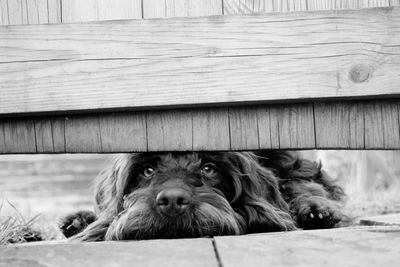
(213, 193)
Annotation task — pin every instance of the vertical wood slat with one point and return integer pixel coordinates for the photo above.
(18, 136)
(211, 129)
(382, 125)
(181, 8)
(339, 125)
(169, 130)
(268, 130)
(82, 134)
(16, 12)
(243, 125)
(93, 10)
(296, 126)
(50, 135)
(123, 132)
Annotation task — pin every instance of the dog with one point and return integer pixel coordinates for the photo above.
(199, 194)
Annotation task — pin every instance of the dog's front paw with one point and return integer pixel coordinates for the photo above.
(317, 213)
(75, 223)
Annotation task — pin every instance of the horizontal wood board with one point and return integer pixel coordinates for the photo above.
(183, 252)
(356, 246)
(372, 124)
(366, 246)
(177, 62)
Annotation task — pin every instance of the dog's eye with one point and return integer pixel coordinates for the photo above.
(149, 171)
(208, 170)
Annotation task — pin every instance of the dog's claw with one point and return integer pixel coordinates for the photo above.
(311, 216)
(76, 222)
(320, 216)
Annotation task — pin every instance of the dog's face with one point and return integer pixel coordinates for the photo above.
(178, 195)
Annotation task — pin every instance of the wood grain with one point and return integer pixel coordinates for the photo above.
(177, 253)
(296, 126)
(82, 133)
(123, 132)
(382, 125)
(366, 246)
(17, 12)
(333, 125)
(181, 8)
(18, 136)
(243, 126)
(256, 6)
(94, 10)
(357, 124)
(169, 130)
(211, 129)
(109, 65)
(268, 129)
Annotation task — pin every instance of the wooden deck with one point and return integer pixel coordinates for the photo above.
(360, 246)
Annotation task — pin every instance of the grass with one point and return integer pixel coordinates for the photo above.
(15, 228)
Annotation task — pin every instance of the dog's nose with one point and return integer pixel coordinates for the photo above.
(173, 201)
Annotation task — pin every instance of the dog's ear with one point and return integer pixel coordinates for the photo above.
(258, 198)
(110, 185)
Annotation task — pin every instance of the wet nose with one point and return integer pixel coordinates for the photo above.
(173, 201)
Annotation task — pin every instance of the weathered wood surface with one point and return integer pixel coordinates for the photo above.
(15, 12)
(323, 125)
(194, 252)
(199, 61)
(339, 247)
(363, 246)
(388, 219)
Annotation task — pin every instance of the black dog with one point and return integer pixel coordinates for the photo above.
(180, 195)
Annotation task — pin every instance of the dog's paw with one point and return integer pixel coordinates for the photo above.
(318, 213)
(75, 223)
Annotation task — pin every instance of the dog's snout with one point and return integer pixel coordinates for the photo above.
(173, 201)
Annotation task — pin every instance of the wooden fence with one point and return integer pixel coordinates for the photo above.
(298, 80)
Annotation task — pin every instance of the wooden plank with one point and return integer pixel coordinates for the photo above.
(268, 130)
(254, 6)
(382, 125)
(368, 246)
(19, 136)
(92, 10)
(123, 132)
(178, 252)
(211, 129)
(50, 134)
(339, 125)
(357, 125)
(44, 135)
(243, 125)
(51, 71)
(3, 12)
(181, 8)
(296, 126)
(82, 134)
(387, 219)
(54, 9)
(17, 12)
(169, 130)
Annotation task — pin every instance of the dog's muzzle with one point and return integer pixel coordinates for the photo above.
(173, 201)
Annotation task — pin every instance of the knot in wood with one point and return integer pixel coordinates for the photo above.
(359, 73)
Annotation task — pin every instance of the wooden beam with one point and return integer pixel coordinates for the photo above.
(173, 252)
(182, 62)
(363, 246)
(372, 124)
